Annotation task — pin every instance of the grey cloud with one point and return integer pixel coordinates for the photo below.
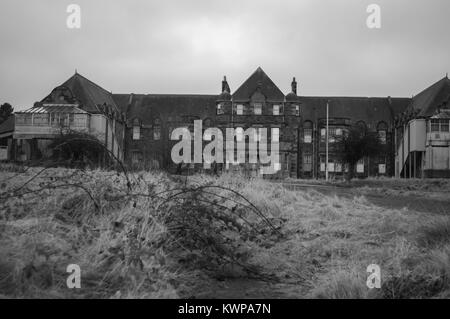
(187, 46)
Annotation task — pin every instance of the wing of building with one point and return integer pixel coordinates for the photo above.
(138, 127)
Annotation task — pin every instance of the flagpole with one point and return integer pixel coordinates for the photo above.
(326, 148)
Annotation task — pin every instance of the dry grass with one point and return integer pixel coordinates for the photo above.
(129, 246)
(330, 241)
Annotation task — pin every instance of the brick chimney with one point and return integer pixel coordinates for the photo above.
(225, 86)
(294, 86)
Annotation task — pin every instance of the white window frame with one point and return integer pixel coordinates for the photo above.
(360, 166)
(276, 109)
(239, 109)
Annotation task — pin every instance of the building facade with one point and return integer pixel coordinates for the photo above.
(137, 127)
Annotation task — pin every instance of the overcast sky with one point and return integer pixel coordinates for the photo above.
(186, 46)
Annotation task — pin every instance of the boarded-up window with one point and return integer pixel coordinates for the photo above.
(382, 168)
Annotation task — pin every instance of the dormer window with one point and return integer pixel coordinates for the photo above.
(220, 109)
(257, 108)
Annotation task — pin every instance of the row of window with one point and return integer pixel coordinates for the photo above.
(240, 133)
(337, 167)
(439, 125)
(256, 109)
(333, 133)
(275, 134)
(137, 132)
(53, 119)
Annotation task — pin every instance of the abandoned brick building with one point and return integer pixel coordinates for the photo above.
(137, 127)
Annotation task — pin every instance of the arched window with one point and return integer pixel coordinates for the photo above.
(307, 131)
(157, 129)
(136, 129)
(382, 132)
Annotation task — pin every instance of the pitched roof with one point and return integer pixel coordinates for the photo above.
(258, 78)
(54, 108)
(147, 107)
(433, 97)
(88, 93)
(371, 110)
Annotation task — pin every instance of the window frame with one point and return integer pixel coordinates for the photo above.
(259, 107)
(136, 133)
(239, 109)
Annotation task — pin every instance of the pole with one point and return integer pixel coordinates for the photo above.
(326, 148)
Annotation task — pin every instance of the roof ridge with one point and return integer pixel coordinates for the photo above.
(92, 82)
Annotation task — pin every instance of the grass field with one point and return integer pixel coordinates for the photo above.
(150, 235)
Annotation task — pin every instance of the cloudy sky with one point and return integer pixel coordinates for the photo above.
(186, 46)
